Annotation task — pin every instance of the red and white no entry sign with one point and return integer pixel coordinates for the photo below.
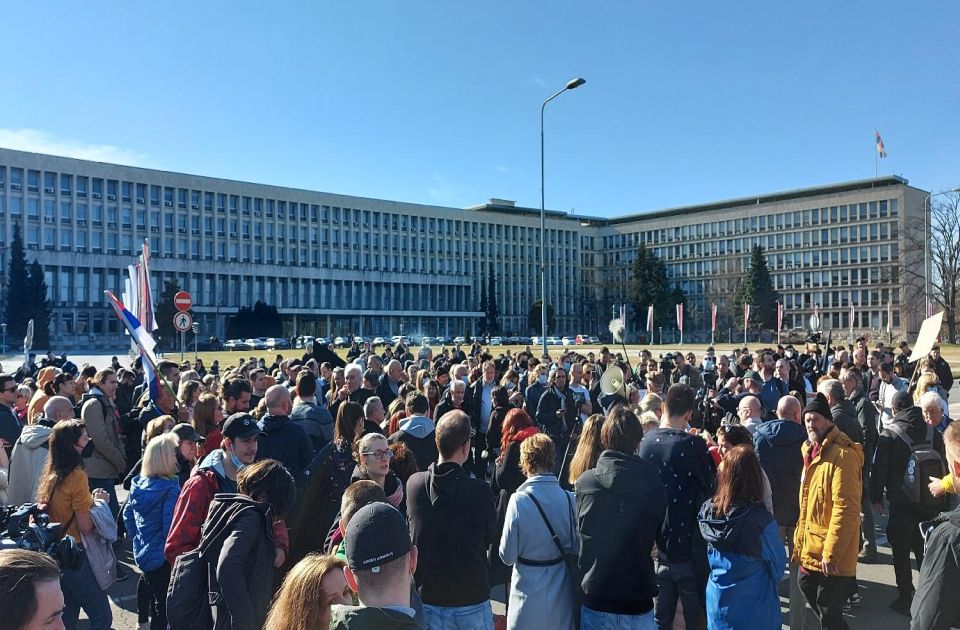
(183, 301)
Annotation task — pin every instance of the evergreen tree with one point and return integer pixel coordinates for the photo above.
(40, 308)
(165, 310)
(482, 322)
(18, 295)
(650, 285)
(492, 311)
(534, 318)
(757, 291)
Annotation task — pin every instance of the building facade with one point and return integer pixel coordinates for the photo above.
(335, 264)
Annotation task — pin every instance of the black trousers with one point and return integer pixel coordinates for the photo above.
(157, 581)
(478, 461)
(903, 533)
(825, 594)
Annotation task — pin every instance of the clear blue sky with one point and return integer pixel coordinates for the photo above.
(438, 102)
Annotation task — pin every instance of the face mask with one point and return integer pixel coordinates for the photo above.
(542, 379)
(566, 366)
(236, 461)
(87, 451)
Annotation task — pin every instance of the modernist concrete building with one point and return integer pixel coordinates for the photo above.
(336, 264)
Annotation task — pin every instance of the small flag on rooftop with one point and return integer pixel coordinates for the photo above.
(881, 150)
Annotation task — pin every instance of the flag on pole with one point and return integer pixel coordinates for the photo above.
(141, 337)
(889, 317)
(146, 293)
(680, 317)
(623, 315)
(713, 317)
(881, 150)
(746, 315)
(779, 316)
(650, 320)
(853, 315)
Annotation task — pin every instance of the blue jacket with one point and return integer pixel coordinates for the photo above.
(147, 515)
(770, 394)
(287, 442)
(746, 559)
(778, 444)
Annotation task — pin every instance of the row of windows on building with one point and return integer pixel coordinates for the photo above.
(776, 221)
(234, 204)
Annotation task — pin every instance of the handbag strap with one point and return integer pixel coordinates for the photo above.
(553, 534)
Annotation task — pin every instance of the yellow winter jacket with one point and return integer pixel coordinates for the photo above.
(830, 492)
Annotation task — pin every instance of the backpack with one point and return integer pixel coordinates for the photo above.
(188, 605)
(924, 462)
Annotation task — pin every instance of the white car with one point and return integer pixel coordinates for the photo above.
(553, 341)
(234, 344)
(459, 340)
(340, 342)
(536, 341)
(567, 341)
(496, 341)
(379, 341)
(397, 339)
(426, 342)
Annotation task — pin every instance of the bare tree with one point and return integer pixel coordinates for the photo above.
(944, 256)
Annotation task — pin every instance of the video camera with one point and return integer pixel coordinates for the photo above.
(40, 535)
(666, 363)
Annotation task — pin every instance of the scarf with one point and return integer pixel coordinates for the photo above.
(811, 455)
(523, 434)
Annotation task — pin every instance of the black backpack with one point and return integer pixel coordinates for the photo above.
(924, 462)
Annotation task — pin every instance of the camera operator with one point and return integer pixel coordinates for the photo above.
(729, 398)
(685, 373)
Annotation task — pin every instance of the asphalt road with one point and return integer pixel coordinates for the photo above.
(877, 584)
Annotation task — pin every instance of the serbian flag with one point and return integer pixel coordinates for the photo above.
(882, 150)
(140, 336)
(623, 315)
(779, 316)
(680, 317)
(746, 314)
(650, 319)
(713, 317)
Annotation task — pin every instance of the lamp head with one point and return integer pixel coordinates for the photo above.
(575, 83)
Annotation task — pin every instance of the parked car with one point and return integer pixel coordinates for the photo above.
(553, 341)
(234, 344)
(426, 341)
(595, 341)
(341, 342)
(254, 344)
(379, 341)
(398, 339)
(496, 341)
(277, 343)
(459, 340)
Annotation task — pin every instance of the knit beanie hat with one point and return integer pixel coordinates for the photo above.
(818, 404)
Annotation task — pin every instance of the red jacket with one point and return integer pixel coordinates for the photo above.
(190, 514)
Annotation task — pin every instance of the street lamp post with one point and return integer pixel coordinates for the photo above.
(572, 84)
(4, 328)
(926, 247)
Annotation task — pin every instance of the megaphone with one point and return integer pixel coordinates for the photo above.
(612, 382)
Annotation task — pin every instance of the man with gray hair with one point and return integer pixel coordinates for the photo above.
(389, 387)
(352, 389)
(29, 457)
(935, 410)
(282, 439)
(454, 398)
(373, 412)
(843, 411)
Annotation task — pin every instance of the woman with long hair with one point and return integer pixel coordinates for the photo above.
(189, 394)
(148, 514)
(66, 491)
(373, 456)
(432, 392)
(207, 418)
(588, 448)
(507, 477)
(328, 476)
(744, 547)
(308, 591)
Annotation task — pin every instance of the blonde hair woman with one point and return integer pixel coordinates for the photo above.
(148, 515)
(308, 591)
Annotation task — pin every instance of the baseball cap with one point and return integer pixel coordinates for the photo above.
(241, 425)
(187, 433)
(752, 375)
(377, 534)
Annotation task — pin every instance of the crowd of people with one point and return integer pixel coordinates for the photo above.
(397, 489)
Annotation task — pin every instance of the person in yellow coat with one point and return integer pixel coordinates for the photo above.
(827, 537)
